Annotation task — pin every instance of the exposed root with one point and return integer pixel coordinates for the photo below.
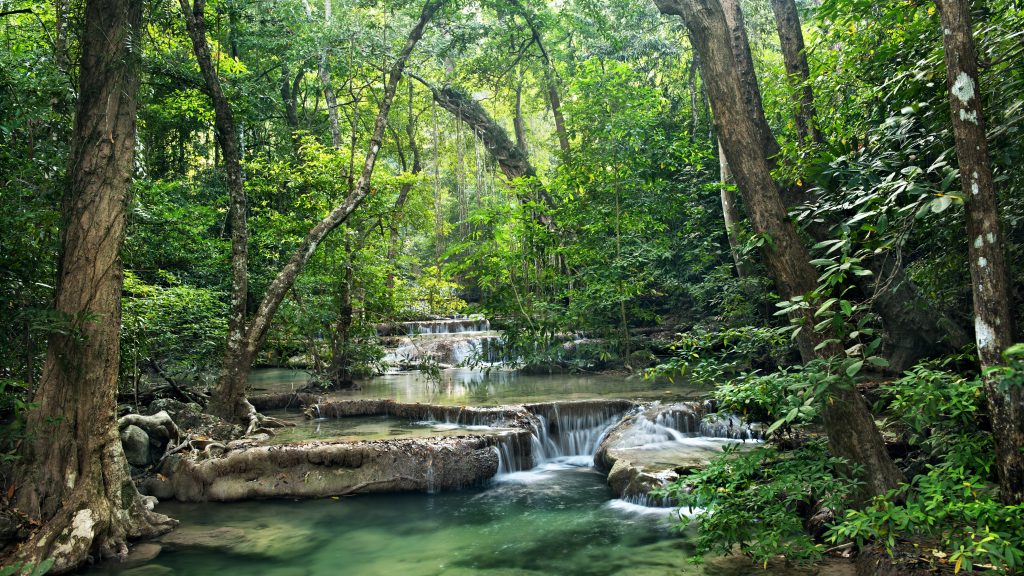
(256, 421)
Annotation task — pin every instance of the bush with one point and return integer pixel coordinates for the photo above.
(762, 501)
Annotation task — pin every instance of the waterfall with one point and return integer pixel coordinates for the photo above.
(573, 432)
(569, 431)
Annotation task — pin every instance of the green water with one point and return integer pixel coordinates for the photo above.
(558, 520)
(463, 386)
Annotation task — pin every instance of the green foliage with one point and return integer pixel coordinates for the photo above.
(760, 501)
(952, 503)
(710, 357)
(179, 327)
(27, 568)
(951, 506)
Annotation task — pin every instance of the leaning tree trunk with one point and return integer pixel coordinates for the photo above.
(851, 429)
(512, 159)
(749, 87)
(993, 330)
(235, 354)
(73, 478)
(231, 387)
(791, 39)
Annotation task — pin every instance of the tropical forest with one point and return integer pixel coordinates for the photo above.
(511, 287)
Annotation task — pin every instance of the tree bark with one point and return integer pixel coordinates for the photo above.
(851, 429)
(748, 77)
(236, 357)
(510, 158)
(72, 477)
(231, 387)
(791, 39)
(993, 329)
(913, 327)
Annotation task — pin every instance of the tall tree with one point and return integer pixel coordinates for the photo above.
(851, 429)
(791, 40)
(73, 477)
(227, 139)
(993, 321)
(246, 338)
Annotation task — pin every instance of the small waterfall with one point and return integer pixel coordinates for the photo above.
(572, 429)
(728, 426)
(461, 341)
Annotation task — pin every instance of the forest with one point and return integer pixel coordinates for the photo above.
(749, 265)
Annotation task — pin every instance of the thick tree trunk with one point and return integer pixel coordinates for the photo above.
(236, 355)
(730, 213)
(913, 328)
(791, 39)
(748, 77)
(851, 430)
(510, 158)
(73, 477)
(993, 330)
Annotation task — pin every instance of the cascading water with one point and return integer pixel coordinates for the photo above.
(459, 341)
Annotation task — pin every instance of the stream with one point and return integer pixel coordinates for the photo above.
(550, 513)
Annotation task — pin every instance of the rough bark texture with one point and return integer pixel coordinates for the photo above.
(748, 77)
(236, 358)
(511, 158)
(993, 331)
(851, 430)
(791, 39)
(914, 330)
(73, 477)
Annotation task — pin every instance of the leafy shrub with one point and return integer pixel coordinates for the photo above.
(954, 503)
(711, 357)
(761, 501)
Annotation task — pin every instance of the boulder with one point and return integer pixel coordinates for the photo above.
(136, 446)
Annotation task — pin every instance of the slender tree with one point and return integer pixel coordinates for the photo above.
(246, 338)
(791, 40)
(73, 478)
(993, 321)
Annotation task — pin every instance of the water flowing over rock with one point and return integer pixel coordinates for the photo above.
(650, 448)
(640, 446)
(443, 342)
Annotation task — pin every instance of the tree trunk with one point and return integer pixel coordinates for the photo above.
(851, 430)
(517, 121)
(510, 158)
(791, 39)
(730, 213)
(72, 477)
(231, 387)
(323, 71)
(339, 373)
(993, 330)
(913, 327)
(748, 77)
(236, 356)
